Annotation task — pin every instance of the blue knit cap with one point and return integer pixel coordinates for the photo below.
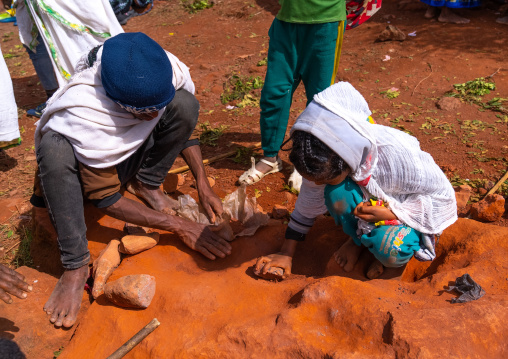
(136, 73)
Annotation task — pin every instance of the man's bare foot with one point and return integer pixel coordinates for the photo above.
(348, 255)
(64, 303)
(431, 12)
(447, 15)
(375, 269)
(153, 196)
(502, 20)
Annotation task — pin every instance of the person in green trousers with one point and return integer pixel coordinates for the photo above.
(305, 46)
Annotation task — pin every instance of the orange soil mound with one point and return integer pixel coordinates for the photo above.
(219, 309)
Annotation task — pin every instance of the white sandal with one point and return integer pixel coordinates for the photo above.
(253, 175)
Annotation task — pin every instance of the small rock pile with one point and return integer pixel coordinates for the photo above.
(131, 291)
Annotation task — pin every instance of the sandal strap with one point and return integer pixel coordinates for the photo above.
(271, 164)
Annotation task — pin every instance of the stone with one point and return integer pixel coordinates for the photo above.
(171, 182)
(130, 228)
(109, 259)
(131, 291)
(136, 243)
(449, 104)
(279, 212)
(462, 195)
(391, 33)
(489, 209)
(274, 273)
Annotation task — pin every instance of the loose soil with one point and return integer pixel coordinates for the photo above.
(231, 38)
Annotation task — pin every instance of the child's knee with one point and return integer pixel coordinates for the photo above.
(393, 246)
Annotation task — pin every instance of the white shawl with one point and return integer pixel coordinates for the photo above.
(401, 174)
(101, 133)
(9, 129)
(69, 29)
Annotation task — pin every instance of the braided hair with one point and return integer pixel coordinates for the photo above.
(313, 159)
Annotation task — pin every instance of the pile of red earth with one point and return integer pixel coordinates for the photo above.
(220, 309)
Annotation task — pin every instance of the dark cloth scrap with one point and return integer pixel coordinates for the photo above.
(469, 289)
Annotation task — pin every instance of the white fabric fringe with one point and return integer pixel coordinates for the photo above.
(9, 128)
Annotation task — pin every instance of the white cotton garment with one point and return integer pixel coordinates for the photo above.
(69, 28)
(397, 170)
(101, 133)
(9, 128)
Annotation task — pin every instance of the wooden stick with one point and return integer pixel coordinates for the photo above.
(431, 71)
(14, 245)
(490, 76)
(216, 158)
(135, 340)
(498, 184)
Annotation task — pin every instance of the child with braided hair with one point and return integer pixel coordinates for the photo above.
(375, 181)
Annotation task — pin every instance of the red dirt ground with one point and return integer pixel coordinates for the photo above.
(313, 314)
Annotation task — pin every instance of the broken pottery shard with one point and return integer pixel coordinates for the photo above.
(104, 265)
(134, 244)
(279, 212)
(131, 291)
(274, 273)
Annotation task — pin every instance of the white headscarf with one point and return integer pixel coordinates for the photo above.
(390, 166)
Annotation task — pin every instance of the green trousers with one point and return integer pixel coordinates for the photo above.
(391, 245)
(297, 52)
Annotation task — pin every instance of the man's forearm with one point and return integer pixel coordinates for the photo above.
(137, 213)
(193, 158)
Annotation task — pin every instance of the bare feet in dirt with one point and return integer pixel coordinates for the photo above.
(64, 303)
(348, 255)
(375, 269)
(431, 12)
(153, 195)
(447, 15)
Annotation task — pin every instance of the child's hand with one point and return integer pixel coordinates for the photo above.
(370, 213)
(276, 260)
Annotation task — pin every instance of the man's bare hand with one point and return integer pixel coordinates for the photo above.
(373, 214)
(7, 4)
(11, 282)
(210, 201)
(200, 238)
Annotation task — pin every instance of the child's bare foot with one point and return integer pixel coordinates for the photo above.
(447, 15)
(64, 303)
(348, 255)
(153, 196)
(375, 269)
(263, 167)
(431, 12)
